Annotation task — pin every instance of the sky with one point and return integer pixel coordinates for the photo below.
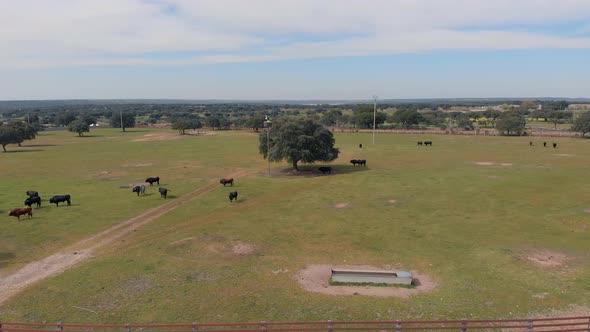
(293, 49)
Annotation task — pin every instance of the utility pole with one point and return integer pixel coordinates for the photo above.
(374, 116)
(121, 114)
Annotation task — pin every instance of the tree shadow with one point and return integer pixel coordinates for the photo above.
(37, 145)
(19, 151)
(313, 170)
(136, 131)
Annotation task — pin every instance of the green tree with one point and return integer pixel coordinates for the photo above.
(331, 117)
(64, 118)
(213, 121)
(16, 132)
(511, 122)
(363, 116)
(407, 118)
(128, 120)
(582, 123)
(79, 126)
(256, 122)
(186, 123)
(557, 117)
(8, 135)
(298, 140)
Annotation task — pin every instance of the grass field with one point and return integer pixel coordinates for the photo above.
(469, 226)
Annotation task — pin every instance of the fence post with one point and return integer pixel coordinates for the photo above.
(588, 325)
(127, 328)
(263, 325)
(0, 326)
(530, 326)
(195, 327)
(330, 326)
(60, 326)
(398, 326)
(463, 326)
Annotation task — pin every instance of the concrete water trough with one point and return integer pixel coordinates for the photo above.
(371, 276)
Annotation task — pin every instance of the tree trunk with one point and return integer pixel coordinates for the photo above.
(4, 147)
(18, 144)
(295, 165)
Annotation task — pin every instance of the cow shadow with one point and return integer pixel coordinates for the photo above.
(5, 257)
(171, 196)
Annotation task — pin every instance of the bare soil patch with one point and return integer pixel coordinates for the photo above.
(158, 137)
(236, 249)
(137, 165)
(341, 205)
(587, 210)
(564, 155)
(316, 278)
(241, 249)
(392, 201)
(491, 163)
(546, 258)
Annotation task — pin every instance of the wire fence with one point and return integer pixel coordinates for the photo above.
(563, 324)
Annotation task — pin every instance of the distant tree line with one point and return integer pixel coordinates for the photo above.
(510, 118)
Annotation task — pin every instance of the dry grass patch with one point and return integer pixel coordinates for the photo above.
(545, 258)
(341, 205)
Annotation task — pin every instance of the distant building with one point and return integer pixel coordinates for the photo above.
(579, 107)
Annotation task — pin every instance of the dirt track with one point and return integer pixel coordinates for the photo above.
(84, 249)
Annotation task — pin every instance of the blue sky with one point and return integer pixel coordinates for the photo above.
(345, 49)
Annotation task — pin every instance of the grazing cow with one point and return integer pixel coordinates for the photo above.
(554, 145)
(17, 212)
(163, 192)
(325, 169)
(139, 190)
(152, 180)
(233, 195)
(33, 200)
(59, 199)
(225, 181)
(31, 193)
(428, 143)
(360, 162)
(545, 144)
(419, 143)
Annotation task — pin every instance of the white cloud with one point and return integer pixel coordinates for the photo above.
(43, 33)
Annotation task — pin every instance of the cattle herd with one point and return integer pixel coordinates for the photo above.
(544, 144)
(34, 198)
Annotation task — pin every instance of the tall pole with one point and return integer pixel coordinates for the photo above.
(374, 116)
(121, 114)
(268, 147)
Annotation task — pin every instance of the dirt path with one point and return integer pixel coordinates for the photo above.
(84, 249)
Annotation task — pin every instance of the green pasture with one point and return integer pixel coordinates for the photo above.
(470, 227)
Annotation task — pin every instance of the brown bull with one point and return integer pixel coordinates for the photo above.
(17, 212)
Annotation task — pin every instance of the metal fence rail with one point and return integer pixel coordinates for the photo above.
(562, 324)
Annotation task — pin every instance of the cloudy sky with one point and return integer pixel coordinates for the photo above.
(293, 49)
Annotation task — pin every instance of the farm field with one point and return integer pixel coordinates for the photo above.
(499, 226)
